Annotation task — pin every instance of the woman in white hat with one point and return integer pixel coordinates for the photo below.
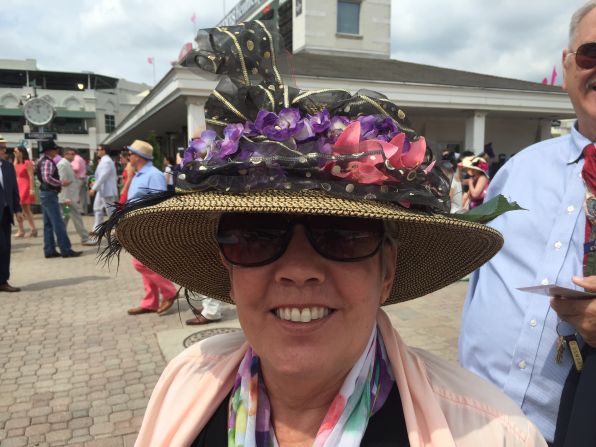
(477, 181)
(310, 211)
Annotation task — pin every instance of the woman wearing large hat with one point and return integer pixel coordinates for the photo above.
(477, 181)
(309, 211)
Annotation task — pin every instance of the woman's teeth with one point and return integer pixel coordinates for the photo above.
(301, 315)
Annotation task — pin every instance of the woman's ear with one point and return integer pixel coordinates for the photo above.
(389, 254)
(230, 268)
(225, 262)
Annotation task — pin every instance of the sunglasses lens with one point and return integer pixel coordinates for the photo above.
(345, 239)
(252, 239)
(585, 56)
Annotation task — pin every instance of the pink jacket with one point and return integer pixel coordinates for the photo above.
(444, 405)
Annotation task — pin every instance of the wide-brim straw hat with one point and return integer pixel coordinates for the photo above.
(272, 148)
(176, 238)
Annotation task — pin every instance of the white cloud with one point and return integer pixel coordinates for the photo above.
(507, 38)
(111, 37)
(504, 38)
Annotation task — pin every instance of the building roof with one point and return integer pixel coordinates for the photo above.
(55, 80)
(391, 70)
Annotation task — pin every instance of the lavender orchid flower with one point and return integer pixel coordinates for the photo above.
(279, 127)
(368, 129)
(250, 130)
(387, 129)
(229, 145)
(336, 127)
(200, 148)
(320, 122)
(307, 132)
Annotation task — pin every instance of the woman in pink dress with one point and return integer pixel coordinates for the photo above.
(127, 174)
(26, 186)
(478, 180)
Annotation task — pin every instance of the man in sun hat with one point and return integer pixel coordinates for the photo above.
(309, 211)
(514, 338)
(148, 180)
(50, 186)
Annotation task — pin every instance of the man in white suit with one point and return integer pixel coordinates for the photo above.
(105, 187)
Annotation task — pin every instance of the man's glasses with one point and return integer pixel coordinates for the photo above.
(251, 240)
(585, 55)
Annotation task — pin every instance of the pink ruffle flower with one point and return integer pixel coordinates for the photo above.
(398, 153)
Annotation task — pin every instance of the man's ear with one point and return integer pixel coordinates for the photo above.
(565, 65)
(389, 254)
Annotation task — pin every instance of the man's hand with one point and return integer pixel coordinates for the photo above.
(581, 314)
(66, 182)
(91, 192)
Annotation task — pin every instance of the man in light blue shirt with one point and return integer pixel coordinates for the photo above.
(149, 180)
(509, 336)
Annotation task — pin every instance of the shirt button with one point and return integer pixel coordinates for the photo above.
(522, 365)
(544, 282)
(533, 323)
(570, 209)
(558, 245)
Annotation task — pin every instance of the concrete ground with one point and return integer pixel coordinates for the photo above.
(76, 370)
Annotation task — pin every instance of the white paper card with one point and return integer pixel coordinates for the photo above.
(555, 290)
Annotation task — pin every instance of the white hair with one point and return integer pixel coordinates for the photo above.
(577, 17)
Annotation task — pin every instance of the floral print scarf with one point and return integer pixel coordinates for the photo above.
(363, 392)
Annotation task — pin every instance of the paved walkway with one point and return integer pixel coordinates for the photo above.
(76, 370)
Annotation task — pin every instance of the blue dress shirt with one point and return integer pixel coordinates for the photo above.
(508, 336)
(147, 180)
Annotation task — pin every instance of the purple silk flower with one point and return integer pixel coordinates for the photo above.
(200, 148)
(368, 129)
(279, 127)
(229, 145)
(386, 128)
(320, 121)
(336, 127)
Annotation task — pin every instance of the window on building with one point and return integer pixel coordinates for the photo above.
(11, 124)
(68, 126)
(110, 123)
(348, 17)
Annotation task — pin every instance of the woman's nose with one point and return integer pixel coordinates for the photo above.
(300, 264)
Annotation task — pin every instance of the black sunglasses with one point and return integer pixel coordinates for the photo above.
(251, 240)
(585, 55)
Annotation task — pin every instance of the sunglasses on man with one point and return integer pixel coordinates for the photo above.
(256, 239)
(585, 55)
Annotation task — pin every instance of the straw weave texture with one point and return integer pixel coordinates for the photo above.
(176, 238)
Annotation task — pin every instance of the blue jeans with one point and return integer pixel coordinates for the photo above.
(53, 223)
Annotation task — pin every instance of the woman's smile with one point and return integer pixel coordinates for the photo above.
(302, 314)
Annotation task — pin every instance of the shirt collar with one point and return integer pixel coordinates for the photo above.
(145, 168)
(578, 142)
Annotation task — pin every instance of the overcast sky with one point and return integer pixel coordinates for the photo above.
(519, 39)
